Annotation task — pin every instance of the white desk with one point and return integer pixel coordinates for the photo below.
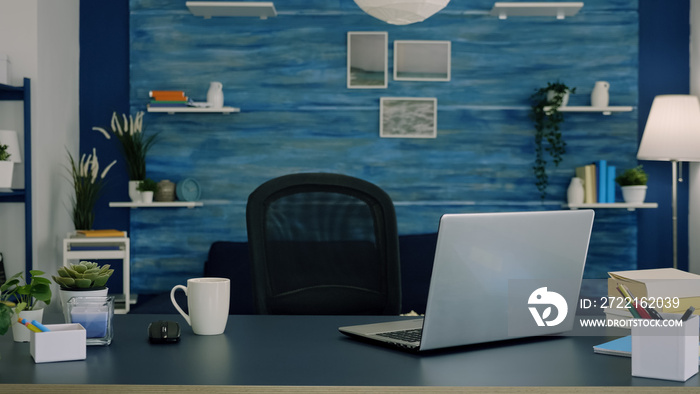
(114, 249)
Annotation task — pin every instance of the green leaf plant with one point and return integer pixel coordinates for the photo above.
(17, 295)
(548, 137)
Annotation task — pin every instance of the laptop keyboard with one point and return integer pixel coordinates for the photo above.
(413, 335)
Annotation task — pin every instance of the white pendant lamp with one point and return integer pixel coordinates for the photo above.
(401, 12)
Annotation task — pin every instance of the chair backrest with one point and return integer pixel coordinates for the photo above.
(323, 244)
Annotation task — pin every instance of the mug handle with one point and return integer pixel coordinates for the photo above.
(172, 298)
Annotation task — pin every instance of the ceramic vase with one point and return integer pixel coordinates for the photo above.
(20, 333)
(215, 95)
(600, 96)
(574, 194)
(166, 191)
(134, 192)
(634, 194)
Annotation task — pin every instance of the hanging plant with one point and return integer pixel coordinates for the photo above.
(552, 96)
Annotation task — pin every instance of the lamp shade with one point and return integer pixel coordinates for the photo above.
(401, 12)
(672, 132)
(9, 138)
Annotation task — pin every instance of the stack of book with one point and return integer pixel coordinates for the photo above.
(167, 98)
(667, 290)
(100, 233)
(598, 182)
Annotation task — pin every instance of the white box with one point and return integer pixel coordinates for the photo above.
(65, 342)
(669, 353)
(4, 69)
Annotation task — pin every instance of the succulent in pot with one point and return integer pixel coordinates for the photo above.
(85, 275)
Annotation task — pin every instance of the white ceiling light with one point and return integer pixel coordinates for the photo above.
(401, 12)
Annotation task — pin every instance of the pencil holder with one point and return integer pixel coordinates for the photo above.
(65, 342)
(667, 351)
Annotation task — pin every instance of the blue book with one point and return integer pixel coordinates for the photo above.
(602, 174)
(611, 184)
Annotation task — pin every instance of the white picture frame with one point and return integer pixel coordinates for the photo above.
(408, 117)
(422, 60)
(368, 60)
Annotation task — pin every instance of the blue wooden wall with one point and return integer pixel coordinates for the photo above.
(288, 76)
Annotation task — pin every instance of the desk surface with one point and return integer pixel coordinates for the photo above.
(309, 351)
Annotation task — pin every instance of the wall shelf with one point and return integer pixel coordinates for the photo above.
(208, 9)
(603, 110)
(613, 205)
(173, 110)
(559, 10)
(23, 94)
(157, 204)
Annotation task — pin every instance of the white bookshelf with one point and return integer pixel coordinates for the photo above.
(157, 204)
(173, 110)
(603, 110)
(559, 10)
(208, 9)
(613, 205)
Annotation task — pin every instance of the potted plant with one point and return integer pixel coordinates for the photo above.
(547, 119)
(25, 296)
(134, 146)
(87, 186)
(147, 187)
(633, 183)
(6, 167)
(85, 279)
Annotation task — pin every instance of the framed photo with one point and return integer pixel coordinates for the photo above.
(408, 117)
(367, 60)
(422, 60)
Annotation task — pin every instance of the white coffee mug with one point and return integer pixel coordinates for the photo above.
(207, 300)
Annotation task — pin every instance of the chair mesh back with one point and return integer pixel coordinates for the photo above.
(320, 245)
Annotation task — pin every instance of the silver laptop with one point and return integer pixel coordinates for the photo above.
(496, 276)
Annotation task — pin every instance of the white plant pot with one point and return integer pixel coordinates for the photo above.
(20, 333)
(634, 194)
(6, 168)
(564, 99)
(147, 197)
(66, 295)
(134, 192)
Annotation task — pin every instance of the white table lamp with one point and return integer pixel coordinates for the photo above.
(401, 12)
(672, 133)
(9, 138)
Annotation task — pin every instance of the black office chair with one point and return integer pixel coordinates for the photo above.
(323, 244)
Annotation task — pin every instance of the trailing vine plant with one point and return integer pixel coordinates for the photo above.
(547, 130)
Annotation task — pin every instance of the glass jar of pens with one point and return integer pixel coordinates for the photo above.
(95, 315)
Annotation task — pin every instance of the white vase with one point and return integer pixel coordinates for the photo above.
(634, 194)
(134, 192)
(215, 95)
(574, 194)
(66, 295)
(20, 333)
(600, 96)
